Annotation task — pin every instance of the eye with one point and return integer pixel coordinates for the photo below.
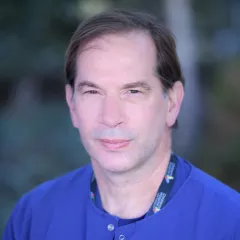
(134, 91)
(91, 92)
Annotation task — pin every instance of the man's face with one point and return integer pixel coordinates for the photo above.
(118, 104)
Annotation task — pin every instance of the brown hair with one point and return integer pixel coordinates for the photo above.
(121, 21)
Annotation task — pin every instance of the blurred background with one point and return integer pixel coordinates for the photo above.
(37, 140)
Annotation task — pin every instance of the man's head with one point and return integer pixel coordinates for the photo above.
(124, 87)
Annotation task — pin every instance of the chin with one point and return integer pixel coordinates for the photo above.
(114, 162)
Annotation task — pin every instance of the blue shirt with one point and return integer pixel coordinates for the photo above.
(200, 208)
(182, 172)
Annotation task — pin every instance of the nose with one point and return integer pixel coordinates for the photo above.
(111, 114)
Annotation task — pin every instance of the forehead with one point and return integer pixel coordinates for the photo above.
(129, 55)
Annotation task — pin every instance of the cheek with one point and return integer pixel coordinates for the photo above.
(87, 114)
(147, 114)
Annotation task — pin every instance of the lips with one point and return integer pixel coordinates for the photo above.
(114, 144)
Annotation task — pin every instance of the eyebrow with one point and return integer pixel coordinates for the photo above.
(137, 84)
(83, 84)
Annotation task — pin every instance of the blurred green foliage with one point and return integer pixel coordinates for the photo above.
(34, 35)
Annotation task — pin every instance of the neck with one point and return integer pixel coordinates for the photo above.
(131, 194)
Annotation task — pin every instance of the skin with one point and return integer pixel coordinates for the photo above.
(116, 88)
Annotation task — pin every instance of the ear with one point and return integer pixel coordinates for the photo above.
(71, 104)
(175, 95)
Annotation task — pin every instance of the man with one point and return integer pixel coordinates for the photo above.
(124, 90)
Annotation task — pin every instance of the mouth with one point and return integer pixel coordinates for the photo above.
(114, 144)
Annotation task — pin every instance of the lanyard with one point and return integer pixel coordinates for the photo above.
(163, 190)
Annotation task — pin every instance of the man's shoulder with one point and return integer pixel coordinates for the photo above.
(39, 203)
(208, 205)
(212, 189)
(212, 198)
(69, 183)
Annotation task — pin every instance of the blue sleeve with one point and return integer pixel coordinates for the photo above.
(17, 227)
